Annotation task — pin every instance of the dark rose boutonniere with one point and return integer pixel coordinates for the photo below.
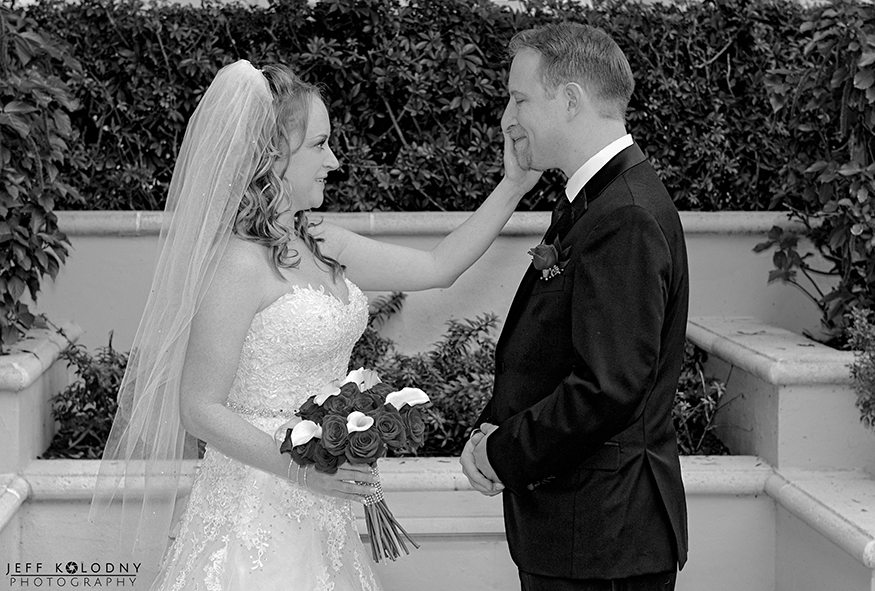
(550, 259)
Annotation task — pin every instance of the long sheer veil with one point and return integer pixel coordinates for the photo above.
(142, 462)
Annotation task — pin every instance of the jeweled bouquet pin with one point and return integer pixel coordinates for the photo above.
(357, 421)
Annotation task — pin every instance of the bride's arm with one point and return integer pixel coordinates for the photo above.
(217, 334)
(380, 266)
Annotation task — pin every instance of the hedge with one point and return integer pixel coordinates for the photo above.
(416, 91)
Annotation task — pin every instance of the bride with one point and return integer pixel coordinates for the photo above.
(252, 310)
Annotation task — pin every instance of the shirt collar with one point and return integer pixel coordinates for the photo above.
(579, 179)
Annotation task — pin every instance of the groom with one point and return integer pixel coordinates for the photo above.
(578, 432)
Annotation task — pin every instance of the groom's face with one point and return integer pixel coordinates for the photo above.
(532, 118)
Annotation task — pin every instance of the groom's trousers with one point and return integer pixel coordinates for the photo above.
(652, 582)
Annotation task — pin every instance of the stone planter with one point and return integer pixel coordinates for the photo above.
(791, 510)
(30, 375)
(753, 525)
(789, 400)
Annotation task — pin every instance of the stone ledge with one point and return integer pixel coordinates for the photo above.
(430, 496)
(724, 475)
(839, 504)
(32, 356)
(835, 503)
(735, 222)
(773, 354)
(148, 223)
(15, 490)
(52, 480)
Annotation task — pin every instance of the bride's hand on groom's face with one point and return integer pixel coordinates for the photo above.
(513, 172)
(352, 482)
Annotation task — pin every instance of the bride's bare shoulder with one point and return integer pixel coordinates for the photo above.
(246, 252)
(239, 284)
(243, 261)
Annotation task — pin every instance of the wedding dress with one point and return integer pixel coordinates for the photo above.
(247, 530)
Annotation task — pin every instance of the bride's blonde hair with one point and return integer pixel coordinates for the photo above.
(260, 214)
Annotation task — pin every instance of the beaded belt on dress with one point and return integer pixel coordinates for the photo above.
(263, 412)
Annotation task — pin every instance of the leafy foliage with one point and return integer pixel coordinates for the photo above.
(695, 406)
(827, 109)
(84, 411)
(456, 374)
(35, 103)
(699, 107)
(416, 91)
(862, 341)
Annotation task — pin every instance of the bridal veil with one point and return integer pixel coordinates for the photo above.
(141, 467)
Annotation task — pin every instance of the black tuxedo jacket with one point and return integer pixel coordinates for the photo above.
(587, 368)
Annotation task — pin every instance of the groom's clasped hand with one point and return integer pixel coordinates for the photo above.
(475, 464)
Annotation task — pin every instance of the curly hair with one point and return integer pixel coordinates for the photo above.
(266, 200)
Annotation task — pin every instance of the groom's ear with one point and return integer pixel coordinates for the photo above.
(575, 99)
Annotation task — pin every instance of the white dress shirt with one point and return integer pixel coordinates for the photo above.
(579, 179)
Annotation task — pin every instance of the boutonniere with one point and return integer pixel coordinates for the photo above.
(550, 259)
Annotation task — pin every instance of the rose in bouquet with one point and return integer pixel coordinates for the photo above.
(357, 421)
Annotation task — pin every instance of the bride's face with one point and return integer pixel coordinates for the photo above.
(308, 166)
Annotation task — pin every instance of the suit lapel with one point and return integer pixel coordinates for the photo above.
(626, 159)
(629, 157)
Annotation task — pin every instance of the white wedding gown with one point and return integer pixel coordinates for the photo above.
(244, 529)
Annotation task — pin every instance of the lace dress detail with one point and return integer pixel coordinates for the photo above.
(244, 529)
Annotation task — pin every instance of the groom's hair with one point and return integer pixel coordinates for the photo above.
(573, 52)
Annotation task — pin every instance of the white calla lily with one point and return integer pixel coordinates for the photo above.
(327, 392)
(357, 377)
(358, 421)
(411, 396)
(280, 434)
(370, 378)
(363, 378)
(304, 432)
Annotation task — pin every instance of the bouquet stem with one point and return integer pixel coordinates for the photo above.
(384, 532)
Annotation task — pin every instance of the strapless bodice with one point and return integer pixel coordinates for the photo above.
(294, 347)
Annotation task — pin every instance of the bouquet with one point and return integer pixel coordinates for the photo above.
(357, 421)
